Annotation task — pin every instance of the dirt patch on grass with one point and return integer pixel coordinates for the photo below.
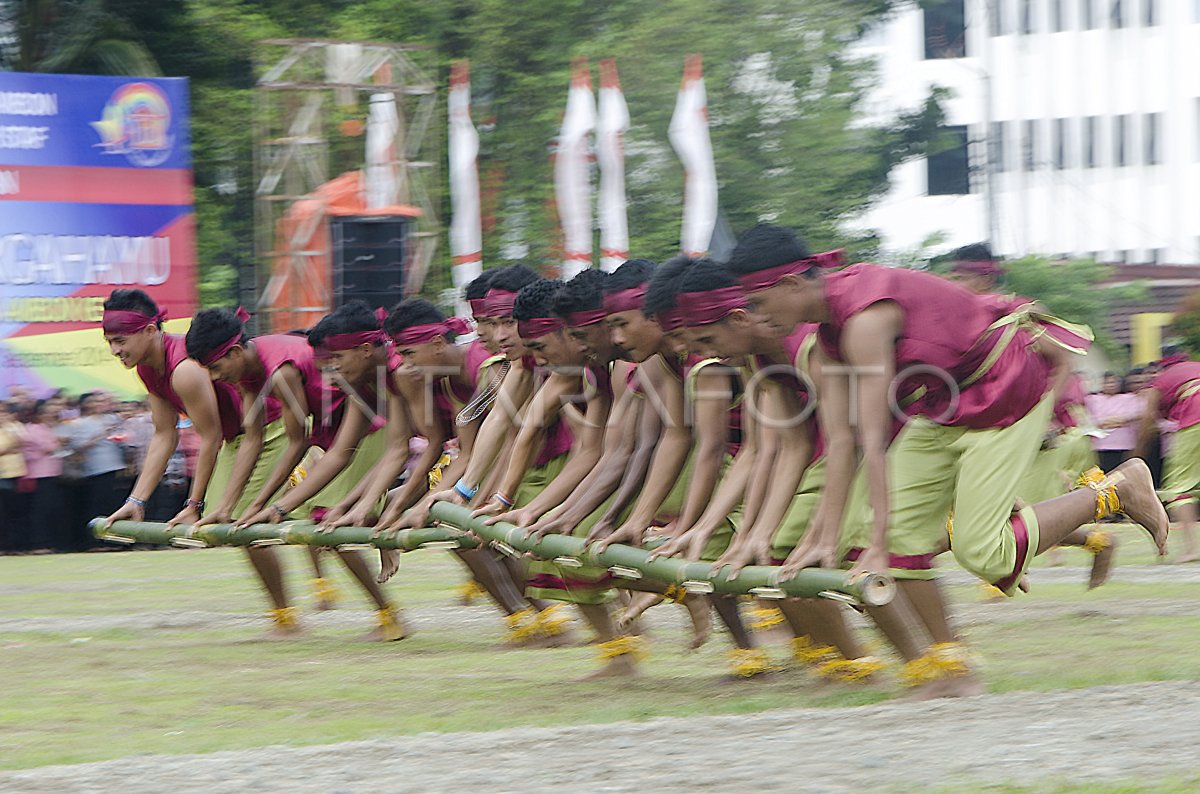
(1141, 732)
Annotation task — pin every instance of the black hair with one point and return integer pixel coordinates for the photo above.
(584, 292)
(704, 275)
(664, 285)
(513, 278)
(413, 311)
(480, 285)
(86, 397)
(975, 252)
(536, 300)
(633, 273)
(132, 300)
(764, 246)
(351, 318)
(210, 329)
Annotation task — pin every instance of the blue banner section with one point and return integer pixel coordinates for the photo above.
(75, 120)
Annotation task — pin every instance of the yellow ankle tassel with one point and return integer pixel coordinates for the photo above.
(851, 671)
(749, 662)
(469, 591)
(297, 476)
(805, 652)
(324, 590)
(675, 593)
(389, 627)
(627, 645)
(285, 617)
(766, 618)
(522, 625)
(1097, 542)
(551, 621)
(942, 660)
(1107, 503)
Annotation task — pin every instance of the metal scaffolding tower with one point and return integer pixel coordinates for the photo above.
(309, 88)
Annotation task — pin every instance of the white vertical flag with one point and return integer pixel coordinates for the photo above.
(466, 235)
(382, 125)
(573, 188)
(689, 135)
(610, 151)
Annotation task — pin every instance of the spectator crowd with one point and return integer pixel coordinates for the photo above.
(65, 460)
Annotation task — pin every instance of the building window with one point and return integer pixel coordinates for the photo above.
(1150, 12)
(1087, 17)
(997, 148)
(1027, 20)
(1153, 132)
(1157, 256)
(1120, 141)
(1029, 145)
(1116, 14)
(1059, 14)
(1090, 149)
(947, 166)
(945, 29)
(1060, 144)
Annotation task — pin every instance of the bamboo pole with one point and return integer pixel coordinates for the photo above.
(296, 533)
(630, 562)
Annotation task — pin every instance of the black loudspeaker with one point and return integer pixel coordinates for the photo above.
(370, 257)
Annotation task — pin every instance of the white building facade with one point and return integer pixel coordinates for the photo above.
(1077, 125)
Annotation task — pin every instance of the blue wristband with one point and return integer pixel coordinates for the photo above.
(463, 490)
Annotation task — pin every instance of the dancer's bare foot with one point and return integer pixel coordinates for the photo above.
(638, 604)
(616, 667)
(277, 632)
(1189, 556)
(1135, 489)
(284, 625)
(389, 563)
(700, 611)
(1104, 546)
(390, 627)
(959, 686)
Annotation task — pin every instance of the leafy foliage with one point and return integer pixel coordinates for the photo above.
(783, 84)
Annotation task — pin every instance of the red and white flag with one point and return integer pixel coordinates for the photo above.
(689, 135)
(610, 152)
(572, 184)
(466, 234)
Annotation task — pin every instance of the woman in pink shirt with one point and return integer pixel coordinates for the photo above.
(1117, 412)
(44, 465)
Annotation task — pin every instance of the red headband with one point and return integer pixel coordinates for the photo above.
(625, 299)
(123, 321)
(671, 319)
(499, 303)
(478, 306)
(218, 352)
(705, 308)
(986, 267)
(588, 317)
(420, 334)
(347, 341)
(539, 327)
(764, 279)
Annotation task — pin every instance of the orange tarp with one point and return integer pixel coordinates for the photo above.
(302, 278)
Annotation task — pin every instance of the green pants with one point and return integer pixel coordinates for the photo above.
(274, 445)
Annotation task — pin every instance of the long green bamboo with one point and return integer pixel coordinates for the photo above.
(303, 534)
(872, 590)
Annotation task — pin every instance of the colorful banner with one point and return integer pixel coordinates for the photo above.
(95, 195)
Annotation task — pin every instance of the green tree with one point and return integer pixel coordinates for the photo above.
(1186, 324)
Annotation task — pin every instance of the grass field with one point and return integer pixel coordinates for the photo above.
(118, 654)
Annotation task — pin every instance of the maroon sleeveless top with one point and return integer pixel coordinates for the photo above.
(946, 339)
(275, 350)
(451, 395)
(1174, 385)
(229, 405)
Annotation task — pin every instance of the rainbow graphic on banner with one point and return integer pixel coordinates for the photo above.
(95, 195)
